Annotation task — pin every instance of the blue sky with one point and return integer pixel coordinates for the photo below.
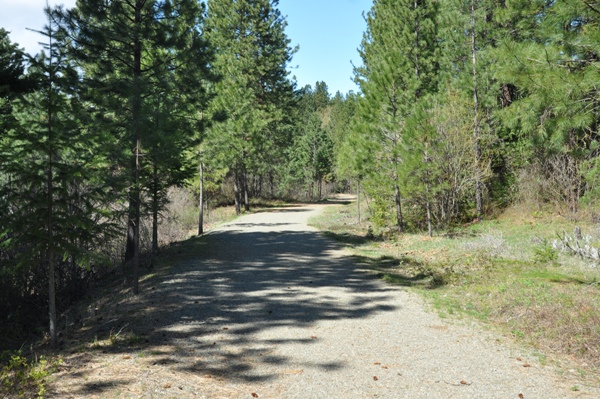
(327, 31)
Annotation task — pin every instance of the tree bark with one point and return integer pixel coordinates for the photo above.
(236, 188)
(245, 188)
(398, 201)
(358, 199)
(155, 207)
(201, 199)
(52, 298)
(50, 221)
(136, 110)
(476, 134)
(427, 191)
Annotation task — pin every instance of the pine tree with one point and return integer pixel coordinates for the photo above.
(557, 108)
(125, 48)
(399, 67)
(311, 153)
(252, 52)
(12, 68)
(56, 190)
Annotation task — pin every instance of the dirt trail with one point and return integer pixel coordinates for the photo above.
(271, 309)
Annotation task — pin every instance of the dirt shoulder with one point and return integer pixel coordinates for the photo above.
(266, 307)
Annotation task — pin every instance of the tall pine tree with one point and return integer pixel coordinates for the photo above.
(125, 48)
(398, 55)
(252, 53)
(55, 195)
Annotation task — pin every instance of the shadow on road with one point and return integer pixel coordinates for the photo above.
(232, 298)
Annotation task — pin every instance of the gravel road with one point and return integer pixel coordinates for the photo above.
(269, 308)
(284, 313)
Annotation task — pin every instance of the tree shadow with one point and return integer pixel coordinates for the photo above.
(348, 238)
(300, 208)
(404, 271)
(226, 302)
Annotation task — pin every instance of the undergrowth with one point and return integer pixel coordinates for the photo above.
(21, 377)
(503, 272)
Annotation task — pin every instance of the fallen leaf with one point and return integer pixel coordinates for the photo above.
(254, 395)
(293, 371)
(521, 396)
(384, 367)
(519, 359)
(527, 365)
(313, 337)
(225, 328)
(463, 382)
(126, 357)
(377, 363)
(375, 378)
(167, 386)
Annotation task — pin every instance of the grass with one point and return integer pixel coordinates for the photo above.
(503, 272)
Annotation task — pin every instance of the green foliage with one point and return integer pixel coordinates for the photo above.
(311, 153)
(545, 253)
(146, 71)
(557, 106)
(20, 377)
(12, 69)
(253, 93)
(398, 52)
(55, 197)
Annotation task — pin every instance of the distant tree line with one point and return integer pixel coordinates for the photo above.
(464, 107)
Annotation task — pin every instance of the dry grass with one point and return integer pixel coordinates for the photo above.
(105, 350)
(503, 272)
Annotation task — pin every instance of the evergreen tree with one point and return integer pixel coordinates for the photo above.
(54, 197)
(398, 53)
(252, 52)
(125, 48)
(310, 157)
(12, 68)
(557, 107)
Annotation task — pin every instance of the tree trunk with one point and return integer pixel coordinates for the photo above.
(236, 188)
(201, 200)
(427, 192)
(50, 221)
(358, 199)
(478, 184)
(52, 298)
(155, 207)
(50, 249)
(398, 200)
(245, 188)
(136, 223)
(136, 111)
(320, 197)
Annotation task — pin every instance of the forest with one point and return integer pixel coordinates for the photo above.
(465, 107)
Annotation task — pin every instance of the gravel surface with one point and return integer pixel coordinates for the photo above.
(272, 309)
(284, 312)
